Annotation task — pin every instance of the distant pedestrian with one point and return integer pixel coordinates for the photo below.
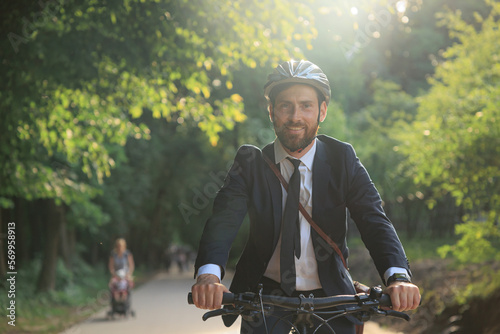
(167, 259)
(121, 259)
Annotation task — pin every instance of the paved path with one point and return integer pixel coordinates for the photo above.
(161, 308)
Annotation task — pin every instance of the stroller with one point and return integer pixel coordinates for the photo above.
(120, 288)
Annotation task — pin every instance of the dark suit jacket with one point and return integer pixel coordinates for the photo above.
(340, 182)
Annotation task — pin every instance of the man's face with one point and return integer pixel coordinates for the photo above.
(295, 116)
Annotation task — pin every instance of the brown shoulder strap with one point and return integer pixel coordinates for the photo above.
(304, 212)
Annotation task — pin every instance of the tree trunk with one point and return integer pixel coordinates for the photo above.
(71, 241)
(413, 212)
(64, 241)
(154, 229)
(21, 217)
(3, 246)
(37, 220)
(53, 220)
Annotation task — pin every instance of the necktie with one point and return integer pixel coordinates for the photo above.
(290, 232)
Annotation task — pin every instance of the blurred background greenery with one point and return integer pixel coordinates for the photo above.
(120, 119)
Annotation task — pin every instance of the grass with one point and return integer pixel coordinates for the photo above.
(80, 293)
(51, 312)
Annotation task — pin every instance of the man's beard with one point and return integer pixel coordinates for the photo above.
(294, 142)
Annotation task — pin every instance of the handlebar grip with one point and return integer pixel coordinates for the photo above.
(227, 298)
(385, 300)
(190, 299)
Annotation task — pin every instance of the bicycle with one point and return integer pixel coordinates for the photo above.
(302, 309)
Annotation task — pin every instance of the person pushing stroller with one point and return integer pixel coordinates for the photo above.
(121, 266)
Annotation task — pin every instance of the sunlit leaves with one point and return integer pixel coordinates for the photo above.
(92, 67)
(78, 126)
(480, 236)
(454, 143)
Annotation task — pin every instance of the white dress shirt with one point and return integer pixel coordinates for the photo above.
(306, 267)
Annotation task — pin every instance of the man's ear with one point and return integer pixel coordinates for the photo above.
(271, 113)
(322, 111)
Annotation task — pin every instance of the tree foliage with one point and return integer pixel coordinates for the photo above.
(77, 76)
(88, 66)
(453, 146)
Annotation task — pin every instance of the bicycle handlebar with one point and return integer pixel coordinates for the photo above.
(227, 298)
(362, 304)
(298, 302)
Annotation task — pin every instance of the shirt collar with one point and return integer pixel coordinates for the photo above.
(280, 154)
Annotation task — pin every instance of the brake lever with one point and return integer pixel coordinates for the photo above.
(396, 314)
(392, 313)
(222, 311)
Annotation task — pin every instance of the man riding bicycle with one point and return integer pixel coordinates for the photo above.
(325, 177)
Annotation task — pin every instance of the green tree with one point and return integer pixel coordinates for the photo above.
(372, 129)
(75, 74)
(453, 145)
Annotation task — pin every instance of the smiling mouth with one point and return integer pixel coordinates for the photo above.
(294, 128)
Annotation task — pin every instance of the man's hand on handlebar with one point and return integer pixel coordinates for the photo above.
(362, 306)
(207, 292)
(404, 296)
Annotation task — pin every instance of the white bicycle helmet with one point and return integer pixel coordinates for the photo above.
(301, 72)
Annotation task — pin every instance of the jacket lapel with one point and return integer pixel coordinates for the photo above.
(321, 177)
(275, 189)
